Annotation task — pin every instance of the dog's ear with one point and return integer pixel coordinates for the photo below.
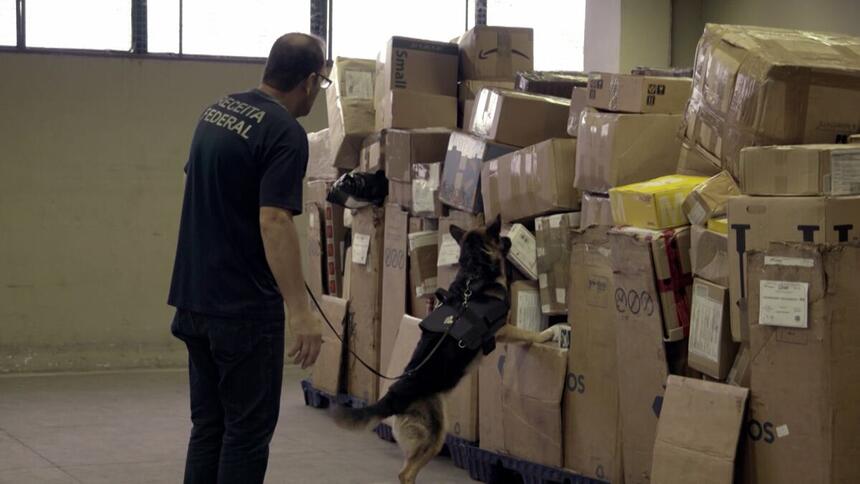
(495, 228)
(505, 246)
(457, 233)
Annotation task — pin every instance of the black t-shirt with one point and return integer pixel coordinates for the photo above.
(248, 151)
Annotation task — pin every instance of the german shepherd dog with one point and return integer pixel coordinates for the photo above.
(416, 401)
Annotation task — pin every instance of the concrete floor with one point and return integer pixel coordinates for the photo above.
(132, 427)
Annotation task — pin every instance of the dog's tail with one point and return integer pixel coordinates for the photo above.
(361, 418)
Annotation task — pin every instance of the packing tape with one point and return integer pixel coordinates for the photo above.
(504, 56)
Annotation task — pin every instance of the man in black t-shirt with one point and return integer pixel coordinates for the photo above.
(238, 261)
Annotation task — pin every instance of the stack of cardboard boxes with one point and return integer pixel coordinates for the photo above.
(643, 212)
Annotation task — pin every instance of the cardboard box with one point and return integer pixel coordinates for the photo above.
(496, 52)
(627, 93)
(490, 189)
(709, 255)
(523, 252)
(407, 335)
(695, 161)
(596, 210)
(467, 93)
(709, 198)
(396, 150)
(767, 86)
(461, 173)
(420, 66)
(534, 181)
(697, 436)
(525, 306)
(326, 240)
(533, 385)
(711, 349)
(461, 406)
(449, 251)
(400, 194)
(800, 170)
(395, 283)
(642, 360)
(426, 178)
(329, 370)
(320, 161)
(552, 83)
(739, 374)
(854, 139)
(578, 100)
(592, 422)
(654, 204)
(423, 253)
(804, 383)
(351, 112)
(552, 236)
(671, 269)
(365, 300)
(518, 118)
(491, 413)
(754, 222)
(719, 225)
(406, 109)
(618, 149)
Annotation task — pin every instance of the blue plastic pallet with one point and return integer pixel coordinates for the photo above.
(319, 399)
(493, 468)
(455, 447)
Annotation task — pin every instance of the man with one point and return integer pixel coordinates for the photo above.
(238, 261)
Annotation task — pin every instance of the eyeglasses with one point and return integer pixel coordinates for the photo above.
(325, 82)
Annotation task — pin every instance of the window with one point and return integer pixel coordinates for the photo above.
(362, 28)
(80, 24)
(162, 26)
(8, 23)
(559, 29)
(247, 28)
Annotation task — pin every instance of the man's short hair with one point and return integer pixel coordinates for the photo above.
(292, 59)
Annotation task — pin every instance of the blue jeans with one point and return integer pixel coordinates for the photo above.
(235, 371)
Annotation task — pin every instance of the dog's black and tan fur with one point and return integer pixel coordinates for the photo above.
(416, 401)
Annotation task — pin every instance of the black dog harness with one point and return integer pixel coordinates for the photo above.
(473, 320)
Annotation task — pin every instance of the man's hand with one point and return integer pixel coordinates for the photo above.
(306, 329)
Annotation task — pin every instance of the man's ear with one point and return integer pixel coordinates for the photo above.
(457, 233)
(505, 245)
(495, 228)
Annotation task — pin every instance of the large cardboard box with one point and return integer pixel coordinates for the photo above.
(525, 306)
(765, 86)
(754, 222)
(406, 109)
(462, 408)
(595, 210)
(800, 170)
(407, 335)
(461, 173)
(709, 198)
(396, 150)
(709, 255)
(627, 93)
(523, 251)
(618, 149)
(490, 411)
(671, 269)
(496, 52)
(578, 100)
(592, 421)
(697, 436)
(533, 385)
(329, 370)
(326, 240)
(535, 180)
(518, 118)
(449, 251)
(552, 235)
(365, 300)
(423, 253)
(653, 204)
(552, 83)
(351, 112)
(426, 178)
(467, 92)
(642, 356)
(695, 161)
(395, 284)
(711, 349)
(320, 160)
(421, 66)
(805, 381)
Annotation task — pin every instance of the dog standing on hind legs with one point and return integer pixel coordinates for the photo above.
(468, 322)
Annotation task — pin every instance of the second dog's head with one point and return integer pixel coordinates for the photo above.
(482, 250)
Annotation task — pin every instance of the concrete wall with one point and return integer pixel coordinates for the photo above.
(90, 193)
(622, 34)
(824, 15)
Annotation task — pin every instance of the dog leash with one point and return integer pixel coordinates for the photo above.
(358, 358)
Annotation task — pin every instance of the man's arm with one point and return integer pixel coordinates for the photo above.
(281, 243)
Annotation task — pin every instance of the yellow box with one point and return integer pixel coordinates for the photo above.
(719, 225)
(654, 204)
